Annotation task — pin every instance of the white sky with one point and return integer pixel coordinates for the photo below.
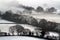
(33, 3)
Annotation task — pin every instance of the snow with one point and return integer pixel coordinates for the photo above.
(5, 27)
(5, 21)
(19, 38)
(53, 34)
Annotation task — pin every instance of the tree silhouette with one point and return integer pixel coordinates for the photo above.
(28, 8)
(57, 29)
(52, 9)
(22, 19)
(27, 32)
(39, 9)
(51, 26)
(43, 24)
(19, 29)
(7, 15)
(47, 25)
(12, 29)
(0, 14)
(16, 28)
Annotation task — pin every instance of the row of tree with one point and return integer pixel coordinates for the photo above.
(47, 25)
(20, 30)
(40, 9)
(24, 19)
(50, 10)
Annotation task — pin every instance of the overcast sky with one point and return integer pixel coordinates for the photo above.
(33, 3)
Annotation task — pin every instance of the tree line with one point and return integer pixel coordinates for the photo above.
(40, 9)
(21, 31)
(24, 19)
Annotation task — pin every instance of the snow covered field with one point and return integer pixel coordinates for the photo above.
(5, 27)
(19, 38)
(5, 21)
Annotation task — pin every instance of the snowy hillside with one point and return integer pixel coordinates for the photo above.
(3, 29)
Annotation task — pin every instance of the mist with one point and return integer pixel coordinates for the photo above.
(8, 4)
